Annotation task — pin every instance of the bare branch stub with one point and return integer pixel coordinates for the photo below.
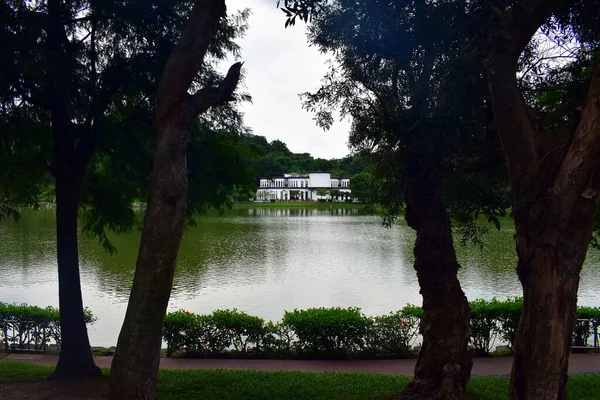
(212, 96)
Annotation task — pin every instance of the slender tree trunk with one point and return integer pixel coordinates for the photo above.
(75, 361)
(444, 365)
(70, 161)
(135, 364)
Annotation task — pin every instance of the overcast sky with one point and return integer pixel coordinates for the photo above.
(279, 65)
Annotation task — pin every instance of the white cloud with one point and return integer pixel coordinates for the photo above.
(279, 65)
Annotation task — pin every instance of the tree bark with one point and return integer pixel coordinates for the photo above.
(444, 365)
(75, 361)
(135, 365)
(556, 188)
(549, 273)
(552, 240)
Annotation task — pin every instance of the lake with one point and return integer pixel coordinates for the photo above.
(262, 261)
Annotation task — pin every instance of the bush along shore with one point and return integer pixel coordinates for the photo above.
(328, 333)
(344, 332)
(24, 327)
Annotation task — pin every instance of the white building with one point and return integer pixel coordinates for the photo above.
(301, 187)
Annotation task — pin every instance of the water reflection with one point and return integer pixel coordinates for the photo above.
(304, 212)
(262, 261)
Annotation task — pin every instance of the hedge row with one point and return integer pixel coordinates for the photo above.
(24, 327)
(326, 332)
(342, 332)
(494, 319)
(316, 332)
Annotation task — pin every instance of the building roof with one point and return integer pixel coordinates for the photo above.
(301, 176)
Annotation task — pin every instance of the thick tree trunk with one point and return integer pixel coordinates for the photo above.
(544, 336)
(552, 241)
(444, 365)
(557, 191)
(135, 365)
(75, 361)
(551, 254)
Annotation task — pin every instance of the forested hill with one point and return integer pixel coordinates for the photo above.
(275, 159)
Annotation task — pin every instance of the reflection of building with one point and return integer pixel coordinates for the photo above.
(303, 187)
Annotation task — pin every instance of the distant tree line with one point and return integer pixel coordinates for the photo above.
(268, 159)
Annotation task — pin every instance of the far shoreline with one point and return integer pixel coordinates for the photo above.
(297, 204)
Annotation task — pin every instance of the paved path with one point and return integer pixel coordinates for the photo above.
(578, 364)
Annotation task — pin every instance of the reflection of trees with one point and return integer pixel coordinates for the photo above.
(242, 248)
(28, 247)
(224, 251)
(303, 212)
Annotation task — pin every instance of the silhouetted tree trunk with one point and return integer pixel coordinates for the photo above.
(135, 365)
(71, 155)
(556, 185)
(75, 361)
(444, 365)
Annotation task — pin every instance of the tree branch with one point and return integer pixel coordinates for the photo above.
(185, 60)
(579, 172)
(525, 19)
(509, 36)
(211, 96)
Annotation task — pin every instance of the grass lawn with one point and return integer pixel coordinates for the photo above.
(241, 385)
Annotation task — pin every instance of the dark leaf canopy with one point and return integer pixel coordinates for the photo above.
(410, 78)
(106, 57)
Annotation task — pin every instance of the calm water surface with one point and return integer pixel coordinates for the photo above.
(261, 261)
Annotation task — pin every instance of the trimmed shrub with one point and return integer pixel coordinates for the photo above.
(346, 332)
(392, 335)
(584, 331)
(238, 328)
(508, 315)
(278, 340)
(24, 327)
(182, 329)
(211, 334)
(412, 311)
(484, 326)
(329, 331)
